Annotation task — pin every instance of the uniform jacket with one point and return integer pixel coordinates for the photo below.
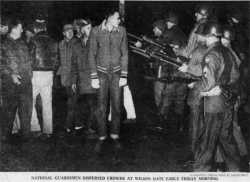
(18, 58)
(65, 57)
(46, 53)
(81, 69)
(108, 51)
(195, 68)
(192, 40)
(218, 63)
(174, 33)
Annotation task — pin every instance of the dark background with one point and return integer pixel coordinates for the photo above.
(139, 14)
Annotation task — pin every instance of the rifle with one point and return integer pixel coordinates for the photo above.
(162, 57)
(146, 40)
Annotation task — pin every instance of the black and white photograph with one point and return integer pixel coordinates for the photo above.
(124, 86)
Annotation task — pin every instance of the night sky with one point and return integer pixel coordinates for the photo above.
(139, 14)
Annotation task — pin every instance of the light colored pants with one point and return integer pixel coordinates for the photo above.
(42, 83)
(128, 104)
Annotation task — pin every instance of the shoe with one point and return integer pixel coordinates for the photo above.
(117, 144)
(129, 121)
(99, 146)
(45, 137)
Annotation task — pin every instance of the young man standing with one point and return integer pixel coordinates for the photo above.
(66, 54)
(108, 59)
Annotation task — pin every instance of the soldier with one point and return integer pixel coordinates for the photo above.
(174, 92)
(201, 15)
(158, 29)
(65, 72)
(227, 38)
(216, 132)
(44, 65)
(108, 59)
(194, 67)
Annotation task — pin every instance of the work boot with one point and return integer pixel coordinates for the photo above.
(99, 146)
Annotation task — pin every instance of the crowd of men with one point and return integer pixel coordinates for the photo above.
(93, 67)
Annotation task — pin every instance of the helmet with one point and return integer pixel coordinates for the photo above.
(159, 24)
(209, 28)
(203, 10)
(228, 33)
(172, 17)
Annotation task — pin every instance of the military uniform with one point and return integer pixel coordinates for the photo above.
(217, 130)
(175, 92)
(194, 101)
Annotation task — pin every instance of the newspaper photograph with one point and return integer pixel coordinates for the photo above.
(124, 91)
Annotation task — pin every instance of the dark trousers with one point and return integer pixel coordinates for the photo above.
(87, 109)
(71, 108)
(217, 133)
(109, 83)
(195, 124)
(17, 97)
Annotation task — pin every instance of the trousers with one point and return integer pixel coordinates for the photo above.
(42, 83)
(109, 85)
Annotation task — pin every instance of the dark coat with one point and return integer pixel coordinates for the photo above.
(81, 70)
(46, 53)
(65, 57)
(218, 66)
(18, 58)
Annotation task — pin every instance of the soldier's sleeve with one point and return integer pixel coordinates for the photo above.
(92, 53)
(210, 71)
(124, 54)
(194, 65)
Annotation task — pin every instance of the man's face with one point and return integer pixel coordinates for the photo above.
(225, 42)
(29, 34)
(157, 32)
(198, 17)
(18, 30)
(169, 24)
(69, 34)
(3, 29)
(114, 20)
(86, 29)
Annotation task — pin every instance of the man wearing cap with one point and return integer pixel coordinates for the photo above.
(217, 130)
(108, 59)
(81, 78)
(65, 72)
(44, 64)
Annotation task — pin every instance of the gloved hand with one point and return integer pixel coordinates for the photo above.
(183, 68)
(213, 92)
(95, 83)
(74, 87)
(16, 79)
(122, 82)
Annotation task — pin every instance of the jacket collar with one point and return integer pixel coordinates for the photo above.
(42, 33)
(103, 27)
